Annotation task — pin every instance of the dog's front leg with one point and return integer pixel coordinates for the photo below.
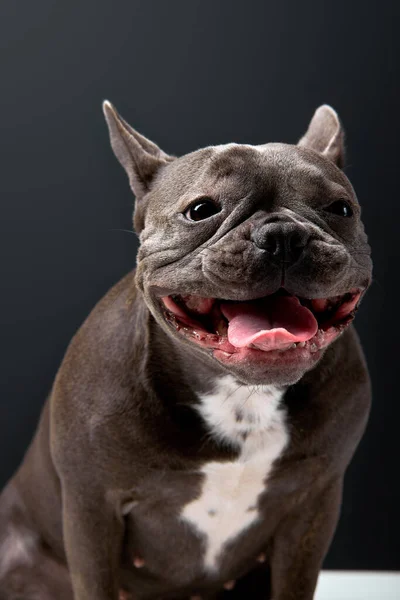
(300, 545)
(93, 536)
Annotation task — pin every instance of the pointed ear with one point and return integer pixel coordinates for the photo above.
(140, 158)
(325, 135)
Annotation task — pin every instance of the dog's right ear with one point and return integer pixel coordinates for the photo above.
(140, 157)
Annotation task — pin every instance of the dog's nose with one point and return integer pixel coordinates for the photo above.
(283, 241)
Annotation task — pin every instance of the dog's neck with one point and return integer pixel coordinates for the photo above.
(242, 415)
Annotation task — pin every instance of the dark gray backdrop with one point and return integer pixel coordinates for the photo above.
(187, 74)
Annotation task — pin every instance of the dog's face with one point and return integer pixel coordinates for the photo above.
(255, 256)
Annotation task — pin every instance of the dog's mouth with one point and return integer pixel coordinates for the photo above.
(278, 323)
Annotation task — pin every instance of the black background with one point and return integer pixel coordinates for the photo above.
(187, 74)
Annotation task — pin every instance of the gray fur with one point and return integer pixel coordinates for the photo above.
(119, 449)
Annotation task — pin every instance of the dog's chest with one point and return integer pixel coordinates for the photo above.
(251, 420)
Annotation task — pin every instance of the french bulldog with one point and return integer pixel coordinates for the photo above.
(195, 439)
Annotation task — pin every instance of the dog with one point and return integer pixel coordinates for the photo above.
(195, 439)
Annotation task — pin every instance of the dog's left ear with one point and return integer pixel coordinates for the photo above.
(140, 157)
(325, 135)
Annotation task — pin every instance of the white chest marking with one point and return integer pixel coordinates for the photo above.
(251, 420)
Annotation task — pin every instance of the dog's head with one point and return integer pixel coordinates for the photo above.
(255, 256)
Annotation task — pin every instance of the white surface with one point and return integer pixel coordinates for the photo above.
(362, 585)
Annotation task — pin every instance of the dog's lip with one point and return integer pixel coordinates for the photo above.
(191, 324)
(160, 293)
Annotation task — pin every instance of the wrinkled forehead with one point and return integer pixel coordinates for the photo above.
(269, 169)
(273, 166)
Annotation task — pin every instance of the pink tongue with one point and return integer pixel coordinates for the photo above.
(270, 324)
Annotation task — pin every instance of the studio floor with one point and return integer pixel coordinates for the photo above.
(362, 585)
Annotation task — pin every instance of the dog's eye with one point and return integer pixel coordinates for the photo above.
(202, 209)
(341, 208)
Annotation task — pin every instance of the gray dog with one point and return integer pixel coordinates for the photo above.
(196, 437)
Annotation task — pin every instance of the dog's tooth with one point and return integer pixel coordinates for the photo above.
(197, 335)
(287, 347)
(290, 347)
(221, 327)
(313, 347)
(301, 344)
